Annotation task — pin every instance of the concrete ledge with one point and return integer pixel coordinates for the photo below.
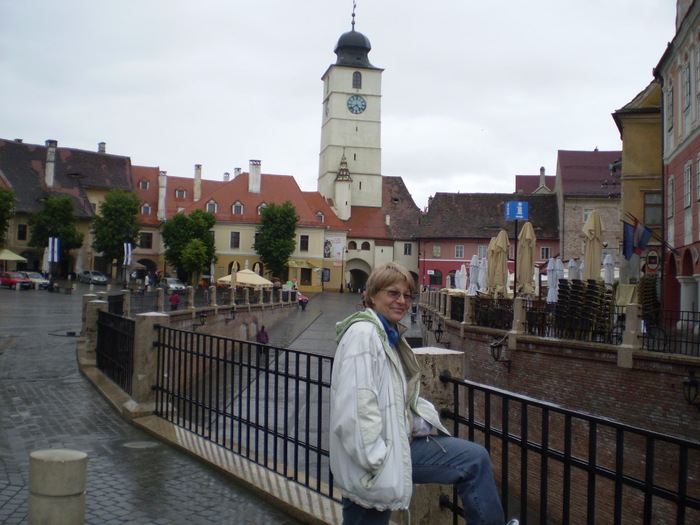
(293, 498)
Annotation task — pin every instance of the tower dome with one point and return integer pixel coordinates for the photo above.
(352, 49)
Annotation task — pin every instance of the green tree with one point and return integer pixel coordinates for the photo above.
(7, 211)
(177, 234)
(276, 238)
(56, 219)
(116, 223)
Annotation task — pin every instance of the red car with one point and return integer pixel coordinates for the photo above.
(14, 280)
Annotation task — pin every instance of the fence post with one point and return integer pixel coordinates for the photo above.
(212, 295)
(57, 487)
(145, 364)
(630, 337)
(189, 297)
(469, 301)
(425, 507)
(91, 313)
(126, 302)
(87, 298)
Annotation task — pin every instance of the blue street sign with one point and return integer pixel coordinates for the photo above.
(516, 210)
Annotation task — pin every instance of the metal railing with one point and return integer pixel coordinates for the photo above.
(569, 467)
(142, 301)
(672, 331)
(493, 313)
(267, 404)
(115, 348)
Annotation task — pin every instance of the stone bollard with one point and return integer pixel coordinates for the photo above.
(57, 487)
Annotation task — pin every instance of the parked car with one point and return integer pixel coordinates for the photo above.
(170, 284)
(92, 277)
(13, 279)
(36, 278)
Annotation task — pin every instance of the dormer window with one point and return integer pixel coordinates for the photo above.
(261, 208)
(180, 193)
(146, 209)
(320, 217)
(211, 206)
(237, 209)
(143, 185)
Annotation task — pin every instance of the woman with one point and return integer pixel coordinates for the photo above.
(384, 437)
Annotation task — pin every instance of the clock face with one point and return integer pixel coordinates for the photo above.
(356, 104)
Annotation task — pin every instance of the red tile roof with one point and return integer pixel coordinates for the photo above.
(583, 172)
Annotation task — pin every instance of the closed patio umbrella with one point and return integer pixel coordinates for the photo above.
(592, 246)
(572, 266)
(526, 260)
(474, 271)
(463, 280)
(608, 269)
(490, 266)
(500, 264)
(555, 271)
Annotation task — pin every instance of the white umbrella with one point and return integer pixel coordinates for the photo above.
(572, 266)
(45, 267)
(608, 269)
(448, 284)
(463, 277)
(474, 272)
(79, 261)
(555, 271)
(483, 270)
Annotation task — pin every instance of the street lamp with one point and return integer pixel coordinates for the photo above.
(691, 388)
(202, 320)
(496, 348)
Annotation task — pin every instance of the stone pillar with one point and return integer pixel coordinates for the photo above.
(145, 363)
(126, 304)
(468, 309)
(91, 326)
(425, 507)
(160, 300)
(212, 295)
(247, 295)
(688, 292)
(57, 487)
(87, 298)
(189, 297)
(630, 337)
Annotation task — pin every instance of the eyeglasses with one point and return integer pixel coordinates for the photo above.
(394, 295)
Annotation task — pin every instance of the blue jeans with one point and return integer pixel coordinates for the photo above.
(449, 461)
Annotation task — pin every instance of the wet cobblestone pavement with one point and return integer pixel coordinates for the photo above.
(46, 403)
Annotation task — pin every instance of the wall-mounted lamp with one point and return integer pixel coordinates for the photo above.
(497, 351)
(429, 323)
(691, 388)
(202, 320)
(231, 315)
(438, 332)
(424, 316)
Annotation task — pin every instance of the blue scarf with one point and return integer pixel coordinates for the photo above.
(391, 332)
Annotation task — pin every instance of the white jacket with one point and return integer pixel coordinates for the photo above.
(372, 405)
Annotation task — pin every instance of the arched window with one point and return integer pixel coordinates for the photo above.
(365, 245)
(357, 80)
(237, 208)
(146, 209)
(352, 245)
(321, 218)
(180, 193)
(211, 206)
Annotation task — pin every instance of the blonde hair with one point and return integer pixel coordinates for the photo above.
(385, 275)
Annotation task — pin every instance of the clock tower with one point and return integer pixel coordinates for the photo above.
(351, 128)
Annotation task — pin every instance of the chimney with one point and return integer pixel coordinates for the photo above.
(542, 178)
(162, 185)
(102, 147)
(227, 176)
(50, 171)
(236, 172)
(197, 182)
(254, 176)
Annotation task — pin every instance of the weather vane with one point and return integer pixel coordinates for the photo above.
(354, 6)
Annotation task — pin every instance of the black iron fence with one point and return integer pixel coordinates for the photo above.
(492, 312)
(672, 331)
(142, 301)
(568, 467)
(267, 404)
(115, 348)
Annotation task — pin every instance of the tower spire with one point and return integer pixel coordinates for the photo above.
(354, 5)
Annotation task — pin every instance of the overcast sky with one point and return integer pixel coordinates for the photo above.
(473, 92)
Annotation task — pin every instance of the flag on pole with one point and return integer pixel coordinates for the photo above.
(127, 254)
(635, 238)
(54, 252)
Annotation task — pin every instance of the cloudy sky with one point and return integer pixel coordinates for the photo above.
(474, 92)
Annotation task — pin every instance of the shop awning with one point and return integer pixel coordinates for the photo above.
(300, 263)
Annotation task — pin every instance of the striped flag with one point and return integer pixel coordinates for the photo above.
(127, 254)
(54, 249)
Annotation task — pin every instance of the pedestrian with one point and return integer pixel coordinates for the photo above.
(261, 336)
(383, 436)
(174, 299)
